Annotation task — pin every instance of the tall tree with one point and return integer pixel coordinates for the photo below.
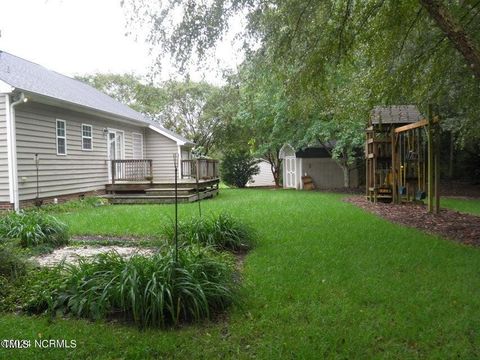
(190, 110)
(130, 90)
(455, 32)
(409, 51)
(265, 111)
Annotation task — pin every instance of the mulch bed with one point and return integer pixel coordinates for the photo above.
(450, 224)
(460, 189)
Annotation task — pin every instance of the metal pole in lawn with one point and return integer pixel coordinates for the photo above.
(198, 190)
(175, 164)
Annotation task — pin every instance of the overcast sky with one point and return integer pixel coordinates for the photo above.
(78, 37)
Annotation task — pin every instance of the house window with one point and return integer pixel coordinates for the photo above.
(137, 145)
(61, 137)
(87, 140)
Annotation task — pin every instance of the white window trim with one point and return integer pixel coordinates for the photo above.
(61, 137)
(141, 136)
(87, 137)
(113, 130)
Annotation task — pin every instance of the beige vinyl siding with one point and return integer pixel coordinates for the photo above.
(326, 173)
(161, 149)
(4, 191)
(264, 177)
(79, 170)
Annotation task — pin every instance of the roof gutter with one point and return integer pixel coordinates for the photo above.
(64, 104)
(12, 152)
(48, 100)
(166, 134)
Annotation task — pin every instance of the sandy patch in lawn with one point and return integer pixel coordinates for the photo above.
(71, 253)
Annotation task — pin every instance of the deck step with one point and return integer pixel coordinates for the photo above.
(157, 199)
(146, 199)
(140, 187)
(169, 191)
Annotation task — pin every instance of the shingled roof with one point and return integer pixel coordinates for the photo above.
(396, 114)
(30, 77)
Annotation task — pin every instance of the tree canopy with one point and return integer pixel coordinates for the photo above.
(404, 45)
(314, 69)
(186, 107)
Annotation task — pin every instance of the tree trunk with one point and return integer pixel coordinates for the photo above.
(276, 175)
(455, 33)
(275, 166)
(346, 176)
(451, 155)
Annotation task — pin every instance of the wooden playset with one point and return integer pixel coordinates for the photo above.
(402, 157)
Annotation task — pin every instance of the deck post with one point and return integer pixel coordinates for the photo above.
(175, 164)
(112, 164)
(394, 168)
(431, 168)
(436, 208)
(151, 171)
(198, 192)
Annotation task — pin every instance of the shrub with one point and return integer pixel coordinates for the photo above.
(222, 232)
(33, 228)
(11, 265)
(72, 205)
(9, 295)
(238, 167)
(150, 290)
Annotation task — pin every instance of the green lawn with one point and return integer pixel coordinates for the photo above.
(470, 206)
(326, 280)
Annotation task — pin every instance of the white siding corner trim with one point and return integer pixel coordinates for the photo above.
(179, 161)
(166, 134)
(12, 136)
(10, 149)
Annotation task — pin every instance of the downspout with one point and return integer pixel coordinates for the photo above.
(13, 150)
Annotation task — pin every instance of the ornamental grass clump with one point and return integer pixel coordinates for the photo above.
(151, 291)
(223, 232)
(34, 228)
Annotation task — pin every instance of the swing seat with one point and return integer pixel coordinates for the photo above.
(421, 195)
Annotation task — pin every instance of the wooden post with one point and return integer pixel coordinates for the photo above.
(450, 160)
(437, 168)
(394, 167)
(431, 165)
(151, 171)
(112, 164)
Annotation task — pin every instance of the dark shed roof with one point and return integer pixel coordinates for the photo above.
(313, 152)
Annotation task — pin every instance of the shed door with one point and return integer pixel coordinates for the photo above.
(291, 172)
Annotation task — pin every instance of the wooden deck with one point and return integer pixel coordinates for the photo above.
(160, 192)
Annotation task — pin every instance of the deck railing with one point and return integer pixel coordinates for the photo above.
(203, 169)
(131, 170)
